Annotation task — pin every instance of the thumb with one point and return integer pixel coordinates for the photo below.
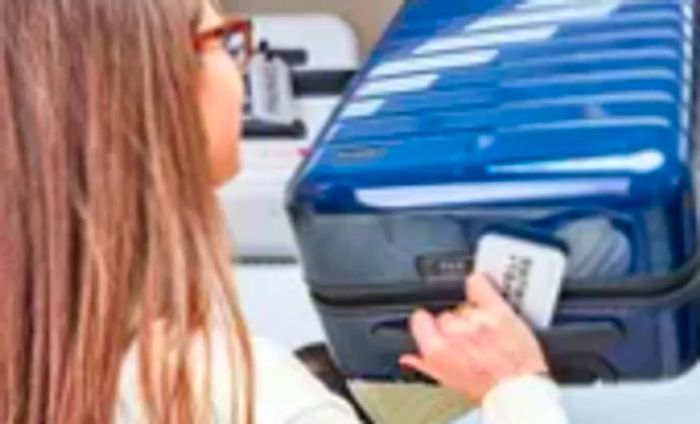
(415, 363)
(482, 293)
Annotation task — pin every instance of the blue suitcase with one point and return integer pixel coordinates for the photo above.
(409, 33)
(461, 14)
(585, 134)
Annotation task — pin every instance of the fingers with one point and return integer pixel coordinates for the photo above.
(426, 332)
(429, 341)
(483, 294)
(452, 324)
(475, 347)
(470, 330)
(415, 363)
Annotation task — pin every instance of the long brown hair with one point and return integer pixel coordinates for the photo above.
(108, 223)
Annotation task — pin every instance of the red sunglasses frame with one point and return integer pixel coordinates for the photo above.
(234, 25)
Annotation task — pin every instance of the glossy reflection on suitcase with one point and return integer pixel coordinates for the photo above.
(568, 117)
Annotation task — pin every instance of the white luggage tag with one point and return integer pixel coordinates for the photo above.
(271, 92)
(529, 273)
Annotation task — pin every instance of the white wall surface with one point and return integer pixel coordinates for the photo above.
(368, 17)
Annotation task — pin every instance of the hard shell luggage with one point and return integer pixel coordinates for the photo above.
(444, 136)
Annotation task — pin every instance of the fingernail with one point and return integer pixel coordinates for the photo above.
(423, 311)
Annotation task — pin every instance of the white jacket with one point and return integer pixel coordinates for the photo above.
(525, 400)
(286, 393)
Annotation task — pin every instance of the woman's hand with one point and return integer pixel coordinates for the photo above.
(474, 349)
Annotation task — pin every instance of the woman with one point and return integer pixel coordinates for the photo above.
(116, 303)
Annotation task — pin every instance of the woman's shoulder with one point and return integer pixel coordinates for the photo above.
(285, 392)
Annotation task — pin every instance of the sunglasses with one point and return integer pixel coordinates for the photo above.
(234, 34)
